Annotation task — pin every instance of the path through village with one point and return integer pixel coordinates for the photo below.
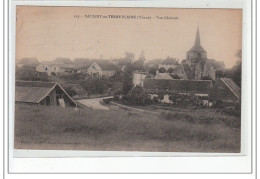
(95, 103)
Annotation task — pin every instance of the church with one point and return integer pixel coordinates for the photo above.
(196, 66)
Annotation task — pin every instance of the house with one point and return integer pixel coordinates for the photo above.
(64, 68)
(42, 93)
(101, 69)
(55, 68)
(225, 90)
(138, 78)
(43, 67)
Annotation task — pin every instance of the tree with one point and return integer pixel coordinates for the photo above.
(127, 79)
(129, 57)
(29, 62)
(219, 74)
(138, 95)
(235, 72)
(219, 65)
(95, 85)
(142, 56)
(162, 70)
(170, 70)
(170, 61)
(63, 60)
(30, 74)
(139, 64)
(152, 71)
(82, 61)
(239, 55)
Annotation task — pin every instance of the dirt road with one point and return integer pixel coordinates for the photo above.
(95, 103)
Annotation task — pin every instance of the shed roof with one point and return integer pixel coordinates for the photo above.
(232, 86)
(34, 91)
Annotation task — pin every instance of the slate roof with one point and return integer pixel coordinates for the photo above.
(184, 86)
(232, 86)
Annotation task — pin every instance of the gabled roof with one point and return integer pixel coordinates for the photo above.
(35, 91)
(107, 66)
(183, 86)
(161, 76)
(232, 86)
(102, 65)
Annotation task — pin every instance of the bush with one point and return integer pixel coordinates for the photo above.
(138, 95)
(117, 94)
(70, 90)
(170, 70)
(162, 70)
(95, 85)
(30, 74)
(155, 100)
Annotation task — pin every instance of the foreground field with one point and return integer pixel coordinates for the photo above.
(180, 130)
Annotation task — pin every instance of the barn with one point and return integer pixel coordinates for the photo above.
(42, 93)
(225, 90)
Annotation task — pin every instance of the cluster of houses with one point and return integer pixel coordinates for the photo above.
(191, 79)
(94, 69)
(191, 73)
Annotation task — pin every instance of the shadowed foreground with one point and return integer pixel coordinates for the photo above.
(43, 127)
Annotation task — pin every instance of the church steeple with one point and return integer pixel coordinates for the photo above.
(197, 52)
(197, 40)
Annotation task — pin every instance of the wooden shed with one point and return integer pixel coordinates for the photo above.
(43, 93)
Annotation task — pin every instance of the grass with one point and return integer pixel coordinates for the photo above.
(183, 130)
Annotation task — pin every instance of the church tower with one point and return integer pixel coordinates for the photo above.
(197, 52)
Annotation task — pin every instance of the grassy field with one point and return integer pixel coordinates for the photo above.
(180, 130)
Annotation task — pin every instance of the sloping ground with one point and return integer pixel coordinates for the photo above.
(42, 127)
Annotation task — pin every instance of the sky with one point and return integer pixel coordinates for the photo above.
(46, 33)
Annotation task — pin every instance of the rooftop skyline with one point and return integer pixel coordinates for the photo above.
(50, 32)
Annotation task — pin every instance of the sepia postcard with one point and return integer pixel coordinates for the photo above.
(128, 79)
